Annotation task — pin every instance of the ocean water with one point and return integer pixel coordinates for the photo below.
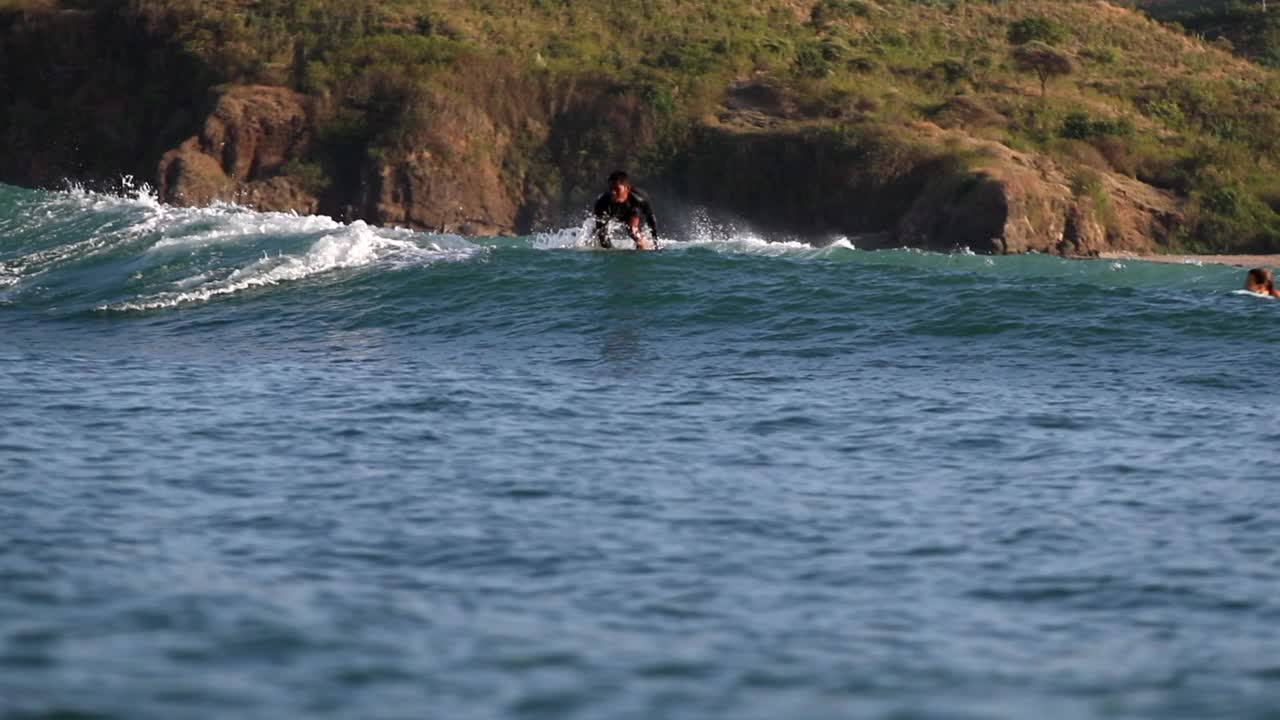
(266, 466)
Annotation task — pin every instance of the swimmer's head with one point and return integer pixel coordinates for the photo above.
(619, 186)
(1259, 280)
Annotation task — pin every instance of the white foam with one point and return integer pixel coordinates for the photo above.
(1250, 293)
(42, 261)
(740, 239)
(566, 238)
(137, 215)
(144, 213)
(129, 194)
(705, 234)
(747, 242)
(218, 224)
(350, 246)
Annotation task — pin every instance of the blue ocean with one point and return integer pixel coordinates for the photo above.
(257, 465)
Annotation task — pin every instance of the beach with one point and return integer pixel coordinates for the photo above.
(1243, 261)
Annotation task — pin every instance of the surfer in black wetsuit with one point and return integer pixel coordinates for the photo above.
(624, 204)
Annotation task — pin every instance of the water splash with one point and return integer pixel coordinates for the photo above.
(79, 250)
(162, 256)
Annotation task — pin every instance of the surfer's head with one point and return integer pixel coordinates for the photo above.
(1258, 280)
(619, 186)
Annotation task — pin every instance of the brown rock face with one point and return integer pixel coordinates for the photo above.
(921, 186)
(500, 153)
(246, 141)
(450, 178)
(1011, 202)
(464, 163)
(191, 178)
(254, 130)
(279, 193)
(420, 190)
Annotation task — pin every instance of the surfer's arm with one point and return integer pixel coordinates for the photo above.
(601, 232)
(647, 211)
(633, 226)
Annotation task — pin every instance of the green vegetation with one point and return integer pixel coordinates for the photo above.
(1251, 29)
(1130, 96)
(1037, 28)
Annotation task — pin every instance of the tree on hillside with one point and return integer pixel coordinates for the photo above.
(1045, 61)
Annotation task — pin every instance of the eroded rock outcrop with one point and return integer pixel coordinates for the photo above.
(494, 152)
(449, 178)
(915, 185)
(1012, 202)
(241, 152)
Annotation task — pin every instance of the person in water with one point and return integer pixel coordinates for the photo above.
(1259, 280)
(624, 204)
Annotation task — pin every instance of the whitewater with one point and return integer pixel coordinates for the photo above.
(260, 465)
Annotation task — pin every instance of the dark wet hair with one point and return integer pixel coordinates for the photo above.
(619, 176)
(1259, 276)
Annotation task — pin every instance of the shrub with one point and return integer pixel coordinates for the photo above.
(311, 175)
(817, 59)
(1079, 126)
(689, 58)
(1037, 28)
(951, 72)
(1229, 216)
(659, 98)
(1087, 182)
(1102, 55)
(1166, 111)
(862, 64)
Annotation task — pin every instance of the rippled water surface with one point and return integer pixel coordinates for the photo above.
(262, 466)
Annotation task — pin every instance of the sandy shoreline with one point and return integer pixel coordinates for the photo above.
(1244, 261)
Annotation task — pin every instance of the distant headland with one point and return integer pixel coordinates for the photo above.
(1072, 127)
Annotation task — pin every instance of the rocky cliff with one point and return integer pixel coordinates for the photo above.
(497, 150)
(901, 185)
(241, 153)
(915, 185)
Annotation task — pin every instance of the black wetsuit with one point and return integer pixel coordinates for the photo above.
(635, 205)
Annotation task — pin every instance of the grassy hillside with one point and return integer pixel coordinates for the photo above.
(1128, 94)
